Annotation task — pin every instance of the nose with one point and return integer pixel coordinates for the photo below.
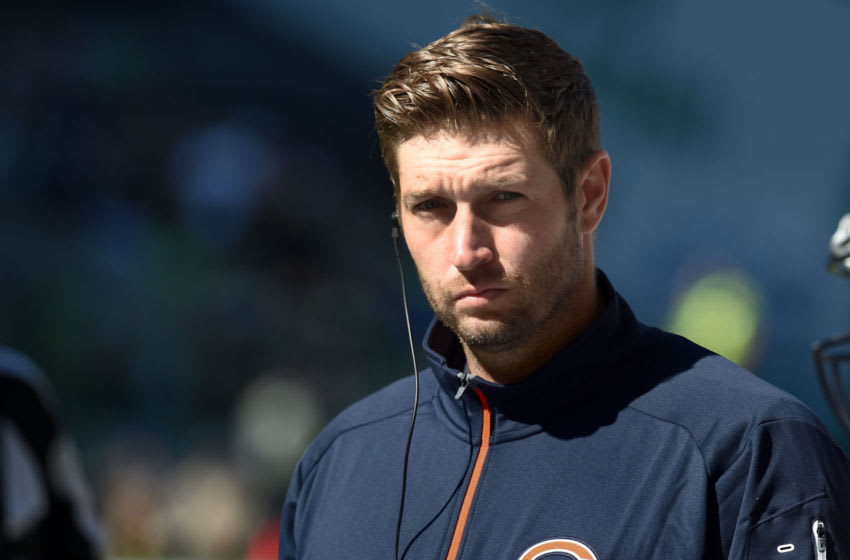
(472, 242)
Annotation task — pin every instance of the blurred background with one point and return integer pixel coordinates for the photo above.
(194, 232)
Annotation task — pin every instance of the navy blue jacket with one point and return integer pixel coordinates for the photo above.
(632, 443)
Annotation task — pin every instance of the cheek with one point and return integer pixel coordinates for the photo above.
(426, 257)
(516, 247)
(536, 248)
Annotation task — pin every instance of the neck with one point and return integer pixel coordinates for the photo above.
(512, 365)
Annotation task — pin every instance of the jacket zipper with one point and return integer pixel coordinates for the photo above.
(464, 383)
(462, 519)
(819, 534)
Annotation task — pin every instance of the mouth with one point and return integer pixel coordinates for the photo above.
(478, 296)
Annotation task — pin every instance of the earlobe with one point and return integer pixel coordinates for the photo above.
(592, 191)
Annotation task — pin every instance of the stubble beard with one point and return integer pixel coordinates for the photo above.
(544, 292)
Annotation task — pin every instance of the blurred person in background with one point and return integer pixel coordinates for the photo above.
(552, 422)
(46, 510)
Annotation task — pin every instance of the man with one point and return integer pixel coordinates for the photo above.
(46, 510)
(552, 423)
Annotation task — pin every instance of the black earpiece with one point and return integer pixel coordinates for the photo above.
(396, 232)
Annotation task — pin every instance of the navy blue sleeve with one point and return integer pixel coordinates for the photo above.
(786, 495)
(286, 545)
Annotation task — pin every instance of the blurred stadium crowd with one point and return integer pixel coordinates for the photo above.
(194, 282)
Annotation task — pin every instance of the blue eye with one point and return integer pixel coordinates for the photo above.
(507, 195)
(430, 204)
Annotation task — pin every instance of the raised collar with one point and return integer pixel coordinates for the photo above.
(567, 385)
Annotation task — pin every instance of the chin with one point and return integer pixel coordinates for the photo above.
(489, 335)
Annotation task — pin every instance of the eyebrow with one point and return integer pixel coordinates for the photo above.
(506, 180)
(423, 191)
(491, 183)
(421, 194)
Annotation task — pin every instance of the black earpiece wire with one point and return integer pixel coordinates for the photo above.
(395, 236)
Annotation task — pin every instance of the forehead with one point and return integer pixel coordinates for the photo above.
(485, 152)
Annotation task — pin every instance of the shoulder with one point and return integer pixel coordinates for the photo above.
(695, 385)
(720, 404)
(382, 410)
(24, 386)
(772, 464)
(16, 366)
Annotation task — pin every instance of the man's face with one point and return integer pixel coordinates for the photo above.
(492, 234)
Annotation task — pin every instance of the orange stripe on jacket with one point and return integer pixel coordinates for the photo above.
(473, 480)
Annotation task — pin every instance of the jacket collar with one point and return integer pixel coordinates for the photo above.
(568, 384)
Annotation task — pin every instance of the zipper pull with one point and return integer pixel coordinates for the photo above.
(819, 533)
(464, 383)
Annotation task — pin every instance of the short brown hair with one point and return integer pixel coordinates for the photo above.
(487, 73)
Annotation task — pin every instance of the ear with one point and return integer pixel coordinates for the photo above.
(592, 191)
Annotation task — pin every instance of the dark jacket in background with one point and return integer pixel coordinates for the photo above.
(46, 511)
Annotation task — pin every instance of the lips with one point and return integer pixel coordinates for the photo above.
(473, 292)
(479, 296)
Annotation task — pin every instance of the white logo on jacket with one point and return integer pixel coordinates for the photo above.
(562, 547)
